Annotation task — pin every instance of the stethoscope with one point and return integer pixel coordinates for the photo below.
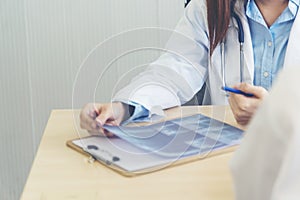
(241, 39)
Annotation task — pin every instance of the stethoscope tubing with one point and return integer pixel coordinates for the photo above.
(241, 39)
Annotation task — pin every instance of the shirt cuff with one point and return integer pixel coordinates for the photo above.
(139, 113)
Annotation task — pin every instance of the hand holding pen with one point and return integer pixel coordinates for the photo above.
(244, 99)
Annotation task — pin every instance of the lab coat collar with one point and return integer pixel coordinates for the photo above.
(292, 58)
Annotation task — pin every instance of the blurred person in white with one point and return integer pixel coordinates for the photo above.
(267, 164)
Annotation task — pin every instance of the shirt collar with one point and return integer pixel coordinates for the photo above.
(253, 12)
(293, 6)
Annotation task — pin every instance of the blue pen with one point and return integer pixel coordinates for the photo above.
(236, 91)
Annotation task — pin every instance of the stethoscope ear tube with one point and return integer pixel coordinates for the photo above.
(241, 39)
(240, 27)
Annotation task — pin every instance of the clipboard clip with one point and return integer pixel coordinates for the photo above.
(94, 157)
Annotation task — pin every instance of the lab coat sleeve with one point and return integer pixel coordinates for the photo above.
(176, 76)
(266, 166)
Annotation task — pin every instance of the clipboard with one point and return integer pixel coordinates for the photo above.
(146, 149)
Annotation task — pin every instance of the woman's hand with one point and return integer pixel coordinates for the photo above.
(244, 107)
(93, 116)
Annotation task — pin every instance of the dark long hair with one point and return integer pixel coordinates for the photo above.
(218, 16)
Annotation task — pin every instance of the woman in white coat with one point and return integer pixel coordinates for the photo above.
(205, 48)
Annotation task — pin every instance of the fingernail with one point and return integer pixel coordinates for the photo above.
(91, 114)
(99, 122)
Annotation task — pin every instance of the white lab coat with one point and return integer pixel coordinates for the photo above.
(177, 76)
(267, 164)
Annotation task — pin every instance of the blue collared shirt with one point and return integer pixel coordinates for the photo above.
(269, 48)
(269, 43)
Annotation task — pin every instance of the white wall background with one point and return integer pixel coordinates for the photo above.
(42, 44)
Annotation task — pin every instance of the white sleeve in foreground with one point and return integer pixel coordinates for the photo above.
(266, 166)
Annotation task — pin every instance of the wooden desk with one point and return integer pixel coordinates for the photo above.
(59, 172)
